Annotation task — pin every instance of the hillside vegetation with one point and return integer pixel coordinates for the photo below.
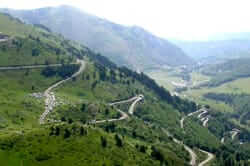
(228, 71)
(70, 134)
(130, 46)
(24, 141)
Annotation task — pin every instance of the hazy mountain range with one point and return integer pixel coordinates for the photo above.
(219, 47)
(130, 46)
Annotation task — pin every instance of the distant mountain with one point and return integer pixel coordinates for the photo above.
(220, 48)
(231, 36)
(130, 46)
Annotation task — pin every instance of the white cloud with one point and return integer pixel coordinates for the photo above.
(186, 19)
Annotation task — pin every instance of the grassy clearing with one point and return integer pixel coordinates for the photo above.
(18, 110)
(21, 113)
(165, 79)
(236, 87)
(196, 76)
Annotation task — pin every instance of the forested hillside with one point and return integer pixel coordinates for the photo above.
(240, 103)
(69, 105)
(130, 46)
(24, 141)
(228, 71)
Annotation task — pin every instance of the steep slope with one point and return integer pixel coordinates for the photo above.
(70, 134)
(130, 46)
(78, 101)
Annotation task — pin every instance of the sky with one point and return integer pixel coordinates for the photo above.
(173, 19)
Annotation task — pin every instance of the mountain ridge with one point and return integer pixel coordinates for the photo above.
(220, 47)
(133, 46)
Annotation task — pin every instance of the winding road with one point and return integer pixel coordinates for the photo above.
(124, 115)
(131, 108)
(209, 158)
(187, 148)
(190, 151)
(50, 103)
(50, 100)
(203, 111)
(29, 67)
(182, 122)
(123, 101)
(234, 132)
(205, 121)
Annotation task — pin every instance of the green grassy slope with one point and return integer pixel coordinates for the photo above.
(18, 109)
(25, 142)
(40, 147)
(228, 71)
(130, 46)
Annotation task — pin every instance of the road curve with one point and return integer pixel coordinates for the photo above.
(202, 113)
(123, 114)
(132, 107)
(124, 101)
(50, 97)
(190, 151)
(190, 114)
(205, 122)
(192, 154)
(182, 122)
(209, 158)
(234, 133)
